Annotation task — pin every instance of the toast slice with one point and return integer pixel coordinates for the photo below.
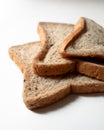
(86, 40)
(48, 61)
(42, 91)
(91, 67)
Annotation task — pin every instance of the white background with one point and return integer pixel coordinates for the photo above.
(18, 24)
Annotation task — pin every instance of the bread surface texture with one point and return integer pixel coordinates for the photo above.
(41, 91)
(87, 42)
(48, 61)
(92, 68)
(38, 91)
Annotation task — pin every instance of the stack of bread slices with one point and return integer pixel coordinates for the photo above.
(67, 59)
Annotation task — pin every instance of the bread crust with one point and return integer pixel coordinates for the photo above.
(78, 28)
(90, 69)
(42, 68)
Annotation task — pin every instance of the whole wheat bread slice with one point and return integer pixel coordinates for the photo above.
(91, 67)
(86, 40)
(42, 91)
(48, 61)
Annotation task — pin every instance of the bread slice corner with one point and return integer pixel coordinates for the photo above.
(86, 40)
(78, 28)
(48, 61)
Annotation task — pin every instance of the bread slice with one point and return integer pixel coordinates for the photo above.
(38, 91)
(48, 61)
(91, 67)
(42, 91)
(86, 40)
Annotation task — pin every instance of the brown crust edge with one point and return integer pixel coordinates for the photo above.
(15, 59)
(90, 69)
(78, 28)
(52, 69)
(41, 32)
(48, 69)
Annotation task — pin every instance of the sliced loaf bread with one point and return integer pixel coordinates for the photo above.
(42, 91)
(91, 67)
(86, 40)
(48, 61)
